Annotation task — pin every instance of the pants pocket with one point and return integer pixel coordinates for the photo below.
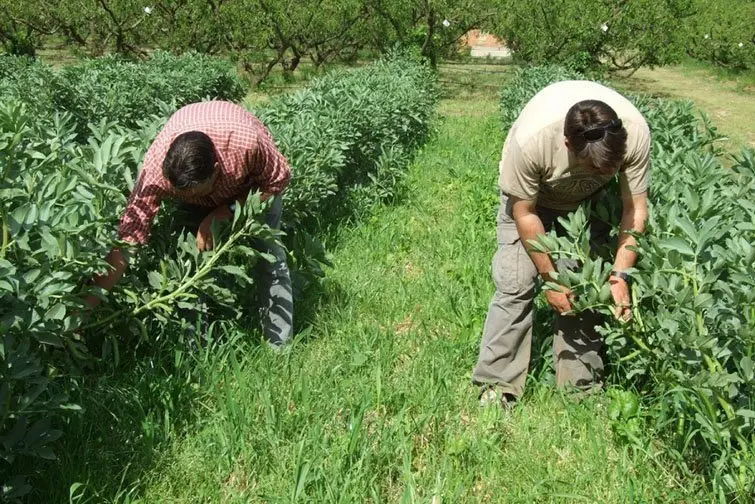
(513, 270)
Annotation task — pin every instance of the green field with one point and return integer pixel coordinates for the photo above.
(374, 401)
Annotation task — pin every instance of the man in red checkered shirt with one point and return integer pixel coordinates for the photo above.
(209, 156)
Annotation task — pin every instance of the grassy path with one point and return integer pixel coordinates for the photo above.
(729, 103)
(374, 404)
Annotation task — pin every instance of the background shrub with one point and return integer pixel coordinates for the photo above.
(349, 138)
(28, 81)
(117, 90)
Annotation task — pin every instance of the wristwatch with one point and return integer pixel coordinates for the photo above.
(623, 275)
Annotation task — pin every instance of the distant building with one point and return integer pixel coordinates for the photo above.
(483, 45)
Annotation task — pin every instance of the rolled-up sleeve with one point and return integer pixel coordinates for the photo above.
(634, 177)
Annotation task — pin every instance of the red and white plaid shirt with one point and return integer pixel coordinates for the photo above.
(246, 154)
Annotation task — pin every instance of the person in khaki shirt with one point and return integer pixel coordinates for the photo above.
(568, 142)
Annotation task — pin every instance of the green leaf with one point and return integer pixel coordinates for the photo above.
(587, 270)
(32, 275)
(56, 312)
(50, 339)
(704, 300)
(71, 407)
(676, 243)
(614, 410)
(16, 434)
(236, 272)
(537, 246)
(605, 293)
(747, 367)
(155, 280)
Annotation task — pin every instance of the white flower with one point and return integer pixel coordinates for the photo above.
(604, 27)
(741, 44)
(148, 10)
(446, 23)
(707, 36)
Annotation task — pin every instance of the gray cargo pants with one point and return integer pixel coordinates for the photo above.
(507, 336)
(274, 292)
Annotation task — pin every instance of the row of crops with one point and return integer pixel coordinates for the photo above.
(689, 348)
(71, 143)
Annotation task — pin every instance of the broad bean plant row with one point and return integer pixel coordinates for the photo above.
(349, 139)
(688, 350)
(123, 91)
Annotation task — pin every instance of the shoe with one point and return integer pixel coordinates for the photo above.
(492, 395)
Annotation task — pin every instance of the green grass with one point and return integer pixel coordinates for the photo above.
(373, 403)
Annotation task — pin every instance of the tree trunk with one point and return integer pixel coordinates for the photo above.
(428, 47)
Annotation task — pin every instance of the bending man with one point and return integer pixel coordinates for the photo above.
(570, 140)
(209, 156)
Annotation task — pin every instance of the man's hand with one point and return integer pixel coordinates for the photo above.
(560, 301)
(204, 233)
(118, 262)
(622, 298)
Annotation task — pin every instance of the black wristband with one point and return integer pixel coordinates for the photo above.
(623, 275)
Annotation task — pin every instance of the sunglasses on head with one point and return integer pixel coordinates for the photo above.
(597, 133)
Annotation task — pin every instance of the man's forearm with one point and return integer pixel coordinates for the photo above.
(118, 264)
(625, 258)
(117, 260)
(529, 227)
(633, 219)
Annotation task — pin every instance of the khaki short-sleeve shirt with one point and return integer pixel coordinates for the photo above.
(536, 164)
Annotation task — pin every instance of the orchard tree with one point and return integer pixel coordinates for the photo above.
(610, 34)
(96, 25)
(723, 34)
(434, 26)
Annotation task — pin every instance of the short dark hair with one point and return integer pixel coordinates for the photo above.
(190, 160)
(607, 153)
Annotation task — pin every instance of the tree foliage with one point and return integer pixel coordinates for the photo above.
(724, 34)
(611, 34)
(434, 26)
(260, 34)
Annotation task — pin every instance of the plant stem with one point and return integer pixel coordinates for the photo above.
(188, 283)
(6, 237)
